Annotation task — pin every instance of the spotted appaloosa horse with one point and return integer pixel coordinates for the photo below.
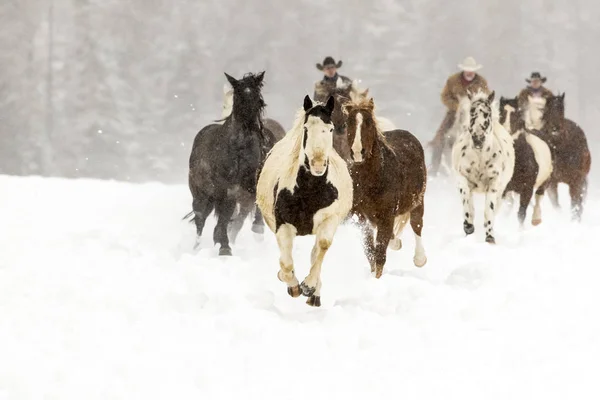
(304, 188)
(533, 162)
(389, 176)
(572, 157)
(483, 158)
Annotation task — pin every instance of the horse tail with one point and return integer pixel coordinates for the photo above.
(188, 215)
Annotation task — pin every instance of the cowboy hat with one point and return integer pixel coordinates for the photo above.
(536, 75)
(328, 61)
(470, 65)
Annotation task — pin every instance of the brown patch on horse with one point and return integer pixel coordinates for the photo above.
(389, 182)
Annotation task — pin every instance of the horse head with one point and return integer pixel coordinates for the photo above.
(554, 115)
(510, 114)
(317, 140)
(478, 108)
(248, 103)
(362, 128)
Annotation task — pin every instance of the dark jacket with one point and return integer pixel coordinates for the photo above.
(326, 86)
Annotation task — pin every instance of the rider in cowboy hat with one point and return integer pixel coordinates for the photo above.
(456, 87)
(534, 89)
(330, 79)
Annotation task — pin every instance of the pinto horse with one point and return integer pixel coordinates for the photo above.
(533, 162)
(483, 158)
(572, 158)
(224, 161)
(389, 176)
(304, 188)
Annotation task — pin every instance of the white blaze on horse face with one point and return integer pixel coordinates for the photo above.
(509, 110)
(357, 146)
(319, 141)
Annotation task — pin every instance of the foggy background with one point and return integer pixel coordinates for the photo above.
(118, 89)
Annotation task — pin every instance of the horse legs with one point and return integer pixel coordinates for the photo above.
(577, 191)
(368, 241)
(202, 206)
(385, 231)
(236, 224)
(524, 200)
(285, 240)
(399, 224)
(468, 206)
(224, 210)
(553, 194)
(491, 206)
(311, 286)
(537, 209)
(416, 222)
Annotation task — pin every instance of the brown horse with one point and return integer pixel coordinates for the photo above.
(533, 162)
(572, 158)
(342, 95)
(389, 177)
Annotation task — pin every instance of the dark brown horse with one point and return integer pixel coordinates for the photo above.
(572, 158)
(389, 177)
(342, 95)
(533, 162)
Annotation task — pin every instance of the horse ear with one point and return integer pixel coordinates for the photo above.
(330, 104)
(259, 78)
(307, 103)
(366, 92)
(371, 104)
(563, 95)
(232, 81)
(491, 96)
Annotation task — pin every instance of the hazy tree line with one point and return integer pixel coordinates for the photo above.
(118, 89)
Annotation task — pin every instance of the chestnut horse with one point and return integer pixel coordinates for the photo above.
(389, 177)
(572, 158)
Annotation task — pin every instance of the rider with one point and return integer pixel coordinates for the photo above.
(456, 87)
(325, 86)
(535, 90)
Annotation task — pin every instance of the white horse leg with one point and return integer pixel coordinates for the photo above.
(285, 239)
(491, 204)
(420, 258)
(399, 224)
(311, 286)
(467, 201)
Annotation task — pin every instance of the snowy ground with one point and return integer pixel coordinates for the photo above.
(101, 297)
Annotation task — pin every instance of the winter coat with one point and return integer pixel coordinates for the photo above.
(529, 91)
(456, 87)
(325, 87)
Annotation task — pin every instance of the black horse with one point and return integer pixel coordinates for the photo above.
(225, 159)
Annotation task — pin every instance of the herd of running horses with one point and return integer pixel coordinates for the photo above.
(341, 160)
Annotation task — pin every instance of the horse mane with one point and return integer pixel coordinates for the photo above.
(236, 111)
(288, 151)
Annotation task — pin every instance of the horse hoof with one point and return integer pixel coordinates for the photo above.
(314, 301)
(260, 229)
(536, 222)
(420, 261)
(395, 244)
(307, 290)
(378, 271)
(225, 251)
(294, 291)
(490, 239)
(469, 228)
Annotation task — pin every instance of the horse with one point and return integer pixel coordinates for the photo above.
(356, 95)
(482, 157)
(304, 188)
(224, 161)
(275, 127)
(341, 93)
(534, 112)
(572, 157)
(533, 162)
(239, 216)
(389, 177)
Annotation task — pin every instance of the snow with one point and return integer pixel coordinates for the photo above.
(101, 297)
